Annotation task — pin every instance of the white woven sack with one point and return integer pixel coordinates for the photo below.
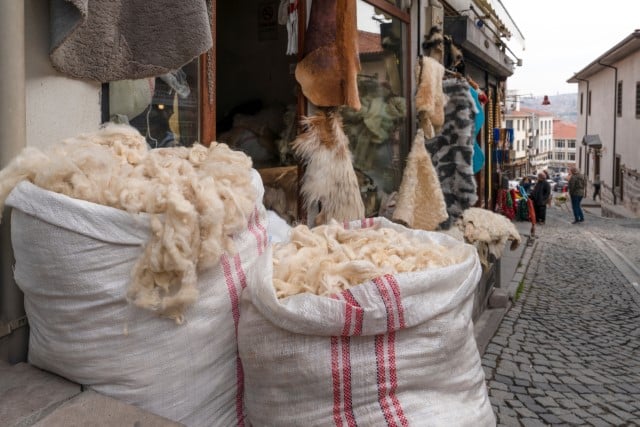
(73, 263)
(397, 351)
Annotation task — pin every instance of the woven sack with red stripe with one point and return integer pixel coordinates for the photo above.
(398, 350)
(73, 263)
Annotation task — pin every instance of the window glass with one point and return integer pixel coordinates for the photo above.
(164, 109)
(378, 132)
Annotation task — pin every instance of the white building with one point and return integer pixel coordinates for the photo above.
(533, 138)
(563, 153)
(609, 123)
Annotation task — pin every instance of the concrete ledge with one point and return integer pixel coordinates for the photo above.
(487, 325)
(94, 409)
(32, 397)
(28, 394)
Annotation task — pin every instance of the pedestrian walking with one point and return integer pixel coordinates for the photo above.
(577, 187)
(540, 195)
(596, 188)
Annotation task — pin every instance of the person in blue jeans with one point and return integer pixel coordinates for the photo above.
(577, 187)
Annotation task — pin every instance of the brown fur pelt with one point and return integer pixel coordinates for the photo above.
(329, 177)
(430, 97)
(420, 199)
(328, 72)
(198, 199)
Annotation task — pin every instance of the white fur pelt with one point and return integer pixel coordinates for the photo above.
(452, 150)
(198, 197)
(488, 231)
(420, 200)
(329, 178)
(430, 98)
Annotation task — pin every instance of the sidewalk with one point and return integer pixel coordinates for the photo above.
(513, 266)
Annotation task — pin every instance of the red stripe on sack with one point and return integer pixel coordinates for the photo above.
(335, 376)
(386, 298)
(346, 379)
(256, 233)
(262, 228)
(345, 225)
(395, 288)
(235, 309)
(391, 339)
(240, 271)
(347, 319)
(363, 223)
(348, 296)
(372, 222)
(382, 381)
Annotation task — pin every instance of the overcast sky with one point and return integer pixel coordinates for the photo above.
(564, 36)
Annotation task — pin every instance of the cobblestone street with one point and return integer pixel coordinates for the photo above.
(568, 351)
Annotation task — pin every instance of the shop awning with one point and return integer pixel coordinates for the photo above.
(592, 141)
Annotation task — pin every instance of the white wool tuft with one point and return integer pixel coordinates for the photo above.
(328, 259)
(199, 198)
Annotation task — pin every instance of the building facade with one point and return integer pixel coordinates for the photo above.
(563, 153)
(609, 123)
(249, 71)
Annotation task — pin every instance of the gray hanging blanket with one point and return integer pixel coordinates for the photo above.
(126, 39)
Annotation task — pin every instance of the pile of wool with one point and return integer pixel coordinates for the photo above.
(198, 198)
(328, 259)
(487, 230)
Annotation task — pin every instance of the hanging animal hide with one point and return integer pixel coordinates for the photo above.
(328, 72)
(420, 199)
(430, 98)
(452, 150)
(126, 39)
(329, 177)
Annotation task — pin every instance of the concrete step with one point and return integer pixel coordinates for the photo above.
(32, 397)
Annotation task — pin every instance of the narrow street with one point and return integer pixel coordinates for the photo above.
(568, 351)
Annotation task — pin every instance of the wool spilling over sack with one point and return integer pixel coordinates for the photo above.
(328, 259)
(199, 198)
(395, 350)
(73, 263)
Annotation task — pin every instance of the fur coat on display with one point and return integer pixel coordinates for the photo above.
(329, 180)
(420, 200)
(328, 72)
(452, 150)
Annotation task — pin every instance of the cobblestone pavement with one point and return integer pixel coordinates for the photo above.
(568, 351)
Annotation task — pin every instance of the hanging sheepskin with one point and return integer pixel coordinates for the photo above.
(329, 179)
(198, 199)
(420, 200)
(430, 98)
(328, 72)
(452, 150)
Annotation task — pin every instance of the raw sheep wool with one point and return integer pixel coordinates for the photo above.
(198, 198)
(488, 231)
(328, 259)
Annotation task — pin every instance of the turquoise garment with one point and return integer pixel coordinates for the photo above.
(478, 155)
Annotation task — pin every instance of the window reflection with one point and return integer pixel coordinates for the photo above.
(164, 108)
(377, 132)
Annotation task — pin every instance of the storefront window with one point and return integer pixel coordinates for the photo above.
(378, 131)
(164, 108)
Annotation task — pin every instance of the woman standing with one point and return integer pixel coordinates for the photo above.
(540, 196)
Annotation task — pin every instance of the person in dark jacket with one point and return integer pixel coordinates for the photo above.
(577, 187)
(540, 195)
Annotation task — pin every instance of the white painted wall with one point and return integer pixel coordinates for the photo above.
(58, 107)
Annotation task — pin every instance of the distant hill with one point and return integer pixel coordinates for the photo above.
(563, 106)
